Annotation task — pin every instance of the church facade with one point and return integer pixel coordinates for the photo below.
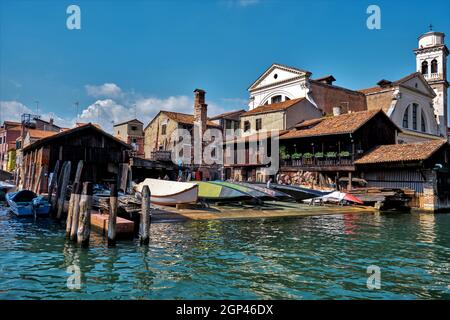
(417, 103)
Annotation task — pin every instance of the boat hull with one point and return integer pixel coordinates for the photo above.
(28, 208)
(170, 193)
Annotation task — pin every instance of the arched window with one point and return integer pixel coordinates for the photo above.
(423, 124)
(434, 66)
(414, 115)
(406, 118)
(275, 99)
(425, 67)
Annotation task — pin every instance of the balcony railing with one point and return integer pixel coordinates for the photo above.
(161, 155)
(432, 76)
(310, 163)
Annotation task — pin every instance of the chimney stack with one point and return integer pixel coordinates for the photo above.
(200, 109)
(337, 111)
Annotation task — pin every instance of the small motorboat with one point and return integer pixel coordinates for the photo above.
(169, 193)
(209, 191)
(27, 203)
(5, 187)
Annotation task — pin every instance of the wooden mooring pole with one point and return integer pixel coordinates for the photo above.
(53, 181)
(113, 206)
(75, 211)
(63, 190)
(84, 221)
(70, 211)
(144, 226)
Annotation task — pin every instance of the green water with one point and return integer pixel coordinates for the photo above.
(305, 258)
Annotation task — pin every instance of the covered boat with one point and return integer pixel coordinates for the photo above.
(170, 193)
(337, 197)
(244, 189)
(299, 193)
(209, 191)
(27, 203)
(271, 192)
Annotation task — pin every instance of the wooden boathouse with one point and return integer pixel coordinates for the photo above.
(102, 154)
(423, 167)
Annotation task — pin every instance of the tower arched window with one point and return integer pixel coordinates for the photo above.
(425, 67)
(423, 124)
(434, 66)
(406, 118)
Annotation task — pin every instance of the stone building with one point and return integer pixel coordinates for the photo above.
(131, 132)
(158, 138)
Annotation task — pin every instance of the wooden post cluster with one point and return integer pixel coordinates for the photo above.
(75, 211)
(53, 181)
(70, 211)
(84, 220)
(144, 226)
(113, 206)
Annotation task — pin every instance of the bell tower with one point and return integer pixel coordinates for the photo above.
(431, 62)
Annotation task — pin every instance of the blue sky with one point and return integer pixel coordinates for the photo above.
(148, 55)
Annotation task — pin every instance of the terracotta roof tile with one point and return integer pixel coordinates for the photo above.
(227, 114)
(402, 152)
(185, 118)
(39, 134)
(342, 124)
(274, 107)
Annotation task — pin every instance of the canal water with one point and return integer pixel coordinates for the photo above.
(323, 257)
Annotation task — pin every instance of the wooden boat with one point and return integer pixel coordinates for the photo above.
(271, 192)
(299, 193)
(209, 191)
(244, 189)
(170, 193)
(27, 203)
(336, 197)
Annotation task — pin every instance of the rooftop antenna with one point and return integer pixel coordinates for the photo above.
(135, 111)
(37, 107)
(431, 27)
(77, 104)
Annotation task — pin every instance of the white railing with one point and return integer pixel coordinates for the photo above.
(433, 76)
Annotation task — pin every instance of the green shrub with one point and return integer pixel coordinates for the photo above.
(319, 155)
(307, 155)
(331, 155)
(344, 154)
(296, 156)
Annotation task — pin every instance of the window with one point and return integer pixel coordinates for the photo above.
(414, 116)
(258, 124)
(286, 98)
(246, 126)
(275, 99)
(424, 67)
(434, 67)
(133, 140)
(406, 118)
(423, 125)
(133, 128)
(163, 129)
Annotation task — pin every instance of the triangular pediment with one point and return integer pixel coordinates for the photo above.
(277, 73)
(417, 82)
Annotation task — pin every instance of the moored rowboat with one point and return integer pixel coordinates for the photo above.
(27, 203)
(170, 193)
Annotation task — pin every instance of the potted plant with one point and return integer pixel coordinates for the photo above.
(307, 155)
(295, 158)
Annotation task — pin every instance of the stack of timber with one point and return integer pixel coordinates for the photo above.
(386, 198)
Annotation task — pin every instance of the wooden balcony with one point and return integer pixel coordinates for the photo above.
(161, 155)
(318, 164)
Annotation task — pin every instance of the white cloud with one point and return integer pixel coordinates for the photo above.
(106, 90)
(12, 110)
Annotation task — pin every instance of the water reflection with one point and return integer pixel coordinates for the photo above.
(311, 257)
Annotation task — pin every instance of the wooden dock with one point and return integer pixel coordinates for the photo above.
(272, 210)
(99, 223)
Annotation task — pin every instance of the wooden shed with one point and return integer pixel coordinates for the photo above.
(102, 154)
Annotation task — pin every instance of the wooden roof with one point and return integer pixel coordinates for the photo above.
(334, 125)
(129, 121)
(75, 131)
(274, 107)
(227, 115)
(402, 152)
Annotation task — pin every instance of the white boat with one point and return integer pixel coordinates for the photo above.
(169, 193)
(335, 197)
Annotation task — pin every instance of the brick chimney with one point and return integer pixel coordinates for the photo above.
(200, 108)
